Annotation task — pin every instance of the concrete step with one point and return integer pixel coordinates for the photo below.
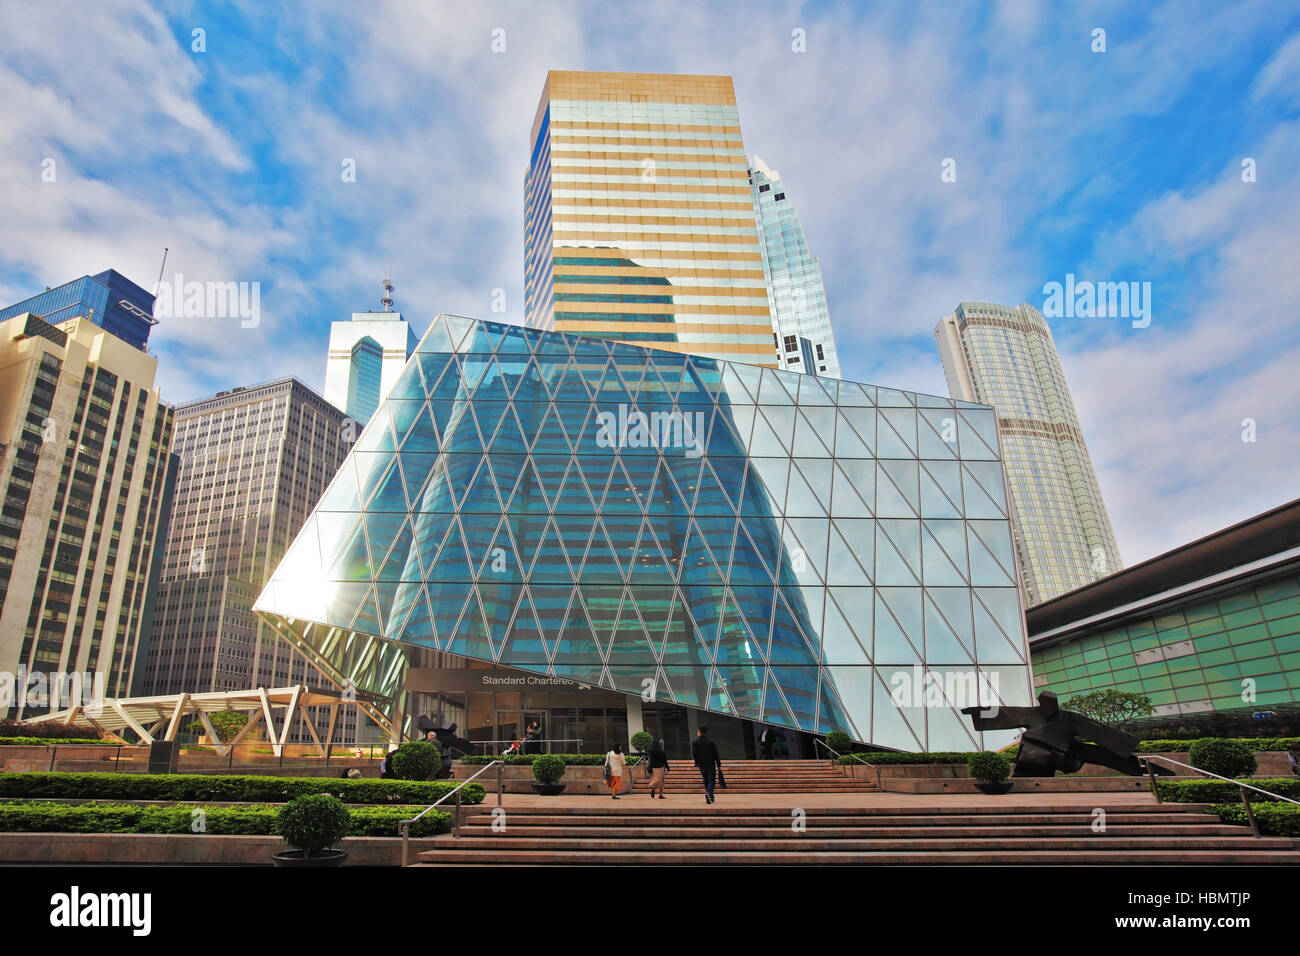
(819, 832)
(1178, 857)
(800, 844)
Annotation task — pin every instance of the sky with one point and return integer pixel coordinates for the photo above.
(1165, 150)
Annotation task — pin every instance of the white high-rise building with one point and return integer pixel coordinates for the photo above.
(801, 320)
(366, 356)
(1004, 356)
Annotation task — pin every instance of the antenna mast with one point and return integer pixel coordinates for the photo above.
(387, 300)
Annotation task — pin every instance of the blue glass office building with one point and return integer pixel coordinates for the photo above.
(749, 542)
(109, 299)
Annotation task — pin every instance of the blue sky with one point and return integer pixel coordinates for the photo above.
(1115, 165)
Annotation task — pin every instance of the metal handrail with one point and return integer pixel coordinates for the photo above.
(1245, 799)
(533, 740)
(819, 742)
(405, 825)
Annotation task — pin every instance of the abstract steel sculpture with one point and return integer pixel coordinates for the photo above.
(1052, 738)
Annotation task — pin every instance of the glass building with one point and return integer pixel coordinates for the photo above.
(109, 300)
(1211, 626)
(801, 321)
(638, 223)
(1005, 357)
(718, 537)
(366, 356)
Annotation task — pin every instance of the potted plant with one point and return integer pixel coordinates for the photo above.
(990, 772)
(548, 769)
(416, 760)
(312, 824)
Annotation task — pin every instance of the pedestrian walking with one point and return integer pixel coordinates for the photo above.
(705, 753)
(658, 758)
(615, 762)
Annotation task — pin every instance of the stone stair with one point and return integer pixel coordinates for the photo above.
(637, 831)
(761, 776)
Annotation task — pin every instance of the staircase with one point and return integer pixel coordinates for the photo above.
(639, 831)
(761, 776)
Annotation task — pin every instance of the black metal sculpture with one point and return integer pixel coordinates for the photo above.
(1051, 740)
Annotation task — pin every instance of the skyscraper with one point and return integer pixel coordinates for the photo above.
(1005, 357)
(83, 468)
(639, 224)
(253, 462)
(366, 356)
(801, 322)
(109, 300)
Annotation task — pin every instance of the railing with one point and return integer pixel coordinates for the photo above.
(1244, 787)
(526, 742)
(818, 742)
(405, 826)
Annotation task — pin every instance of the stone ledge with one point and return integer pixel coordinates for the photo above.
(181, 849)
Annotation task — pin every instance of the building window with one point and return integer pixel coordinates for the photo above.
(778, 197)
(764, 188)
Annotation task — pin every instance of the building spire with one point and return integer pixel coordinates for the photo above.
(387, 299)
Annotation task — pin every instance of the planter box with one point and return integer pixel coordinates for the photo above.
(519, 779)
(181, 849)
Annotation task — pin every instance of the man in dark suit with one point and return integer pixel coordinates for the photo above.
(768, 740)
(705, 754)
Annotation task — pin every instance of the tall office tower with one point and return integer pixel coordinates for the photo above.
(83, 466)
(253, 463)
(109, 300)
(801, 322)
(639, 224)
(366, 356)
(1005, 357)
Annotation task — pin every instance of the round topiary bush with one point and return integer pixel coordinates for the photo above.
(548, 768)
(839, 741)
(417, 760)
(313, 822)
(1227, 758)
(988, 766)
(641, 740)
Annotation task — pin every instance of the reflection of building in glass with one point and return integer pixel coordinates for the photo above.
(801, 321)
(109, 300)
(635, 178)
(1211, 626)
(1005, 357)
(762, 545)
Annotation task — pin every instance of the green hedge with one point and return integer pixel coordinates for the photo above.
(1274, 819)
(54, 742)
(1220, 791)
(1268, 744)
(254, 820)
(570, 760)
(234, 788)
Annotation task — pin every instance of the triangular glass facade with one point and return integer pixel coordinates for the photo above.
(759, 543)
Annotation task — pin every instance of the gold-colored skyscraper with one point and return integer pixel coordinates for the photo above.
(639, 223)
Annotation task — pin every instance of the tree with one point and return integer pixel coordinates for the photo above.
(1118, 708)
(226, 723)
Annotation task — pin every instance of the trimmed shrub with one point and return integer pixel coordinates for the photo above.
(641, 740)
(233, 788)
(1256, 744)
(548, 768)
(889, 759)
(55, 742)
(218, 821)
(1227, 758)
(16, 728)
(988, 766)
(1274, 819)
(313, 822)
(1220, 791)
(416, 760)
(839, 741)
